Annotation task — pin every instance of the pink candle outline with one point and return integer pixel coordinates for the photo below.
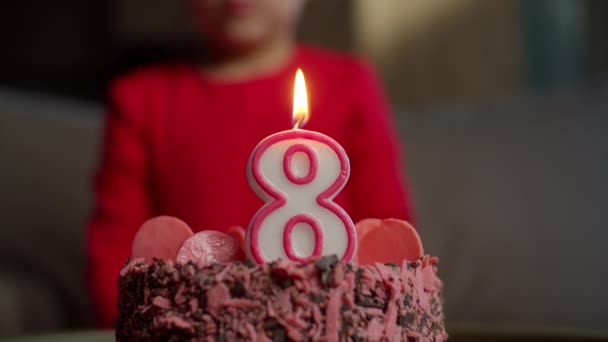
(279, 199)
(316, 228)
(312, 158)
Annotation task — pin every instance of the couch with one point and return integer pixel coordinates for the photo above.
(511, 196)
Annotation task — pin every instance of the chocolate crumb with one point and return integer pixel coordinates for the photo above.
(281, 279)
(358, 276)
(275, 330)
(202, 299)
(316, 298)
(369, 302)
(406, 321)
(237, 290)
(271, 324)
(407, 300)
(160, 273)
(435, 326)
(423, 320)
(327, 262)
(326, 277)
(249, 263)
(279, 335)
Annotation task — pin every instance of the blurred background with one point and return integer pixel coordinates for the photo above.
(503, 107)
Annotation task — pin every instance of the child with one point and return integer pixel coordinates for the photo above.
(178, 137)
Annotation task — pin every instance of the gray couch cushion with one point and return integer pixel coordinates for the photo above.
(512, 199)
(48, 148)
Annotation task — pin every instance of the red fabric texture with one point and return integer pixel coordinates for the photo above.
(178, 144)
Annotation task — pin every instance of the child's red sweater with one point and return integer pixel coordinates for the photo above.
(178, 144)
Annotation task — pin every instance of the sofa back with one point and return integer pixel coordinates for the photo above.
(48, 149)
(511, 197)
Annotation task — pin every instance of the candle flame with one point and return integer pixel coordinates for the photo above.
(300, 101)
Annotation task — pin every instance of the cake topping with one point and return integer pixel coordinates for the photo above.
(387, 241)
(210, 246)
(160, 237)
(238, 233)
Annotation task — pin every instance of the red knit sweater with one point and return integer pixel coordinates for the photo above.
(178, 144)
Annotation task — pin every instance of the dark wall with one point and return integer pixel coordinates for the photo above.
(72, 47)
(598, 39)
(57, 46)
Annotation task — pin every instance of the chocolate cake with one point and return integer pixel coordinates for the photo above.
(323, 300)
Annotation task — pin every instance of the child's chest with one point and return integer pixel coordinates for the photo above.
(202, 148)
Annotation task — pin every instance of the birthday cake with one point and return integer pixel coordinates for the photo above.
(322, 300)
(302, 271)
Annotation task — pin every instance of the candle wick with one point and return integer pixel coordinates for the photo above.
(299, 122)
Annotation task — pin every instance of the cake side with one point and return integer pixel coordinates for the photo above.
(321, 300)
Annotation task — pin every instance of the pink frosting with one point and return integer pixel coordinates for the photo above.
(217, 296)
(320, 300)
(161, 302)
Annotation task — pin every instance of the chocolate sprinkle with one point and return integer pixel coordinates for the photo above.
(369, 302)
(325, 263)
(326, 277)
(237, 289)
(279, 334)
(281, 279)
(316, 298)
(406, 321)
(407, 300)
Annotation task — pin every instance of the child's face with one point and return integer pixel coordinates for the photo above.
(245, 24)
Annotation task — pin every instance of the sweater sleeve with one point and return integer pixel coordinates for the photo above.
(377, 184)
(121, 196)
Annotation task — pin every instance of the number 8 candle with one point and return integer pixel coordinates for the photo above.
(298, 173)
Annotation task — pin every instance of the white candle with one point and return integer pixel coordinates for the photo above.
(298, 173)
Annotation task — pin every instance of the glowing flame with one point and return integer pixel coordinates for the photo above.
(300, 101)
